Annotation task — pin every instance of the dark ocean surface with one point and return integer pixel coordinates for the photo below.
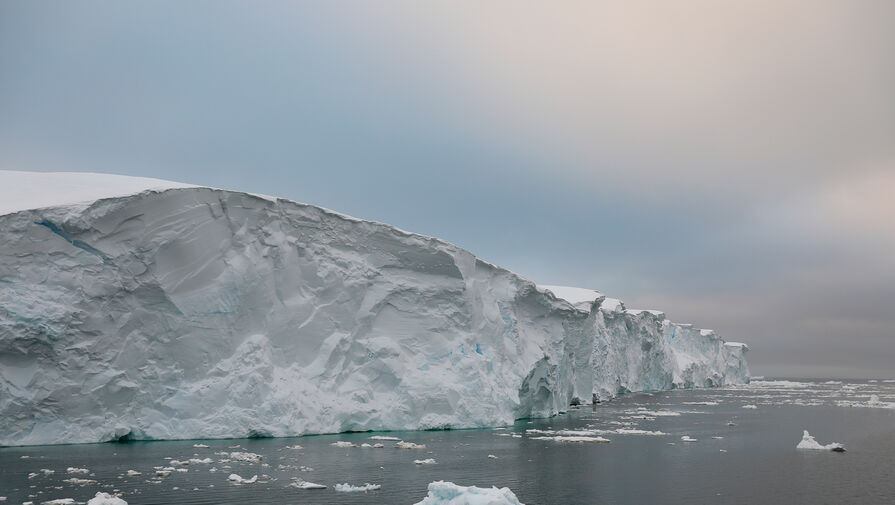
(756, 461)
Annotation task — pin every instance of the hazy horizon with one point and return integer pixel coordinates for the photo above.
(730, 165)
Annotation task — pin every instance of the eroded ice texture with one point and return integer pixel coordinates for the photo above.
(448, 493)
(192, 312)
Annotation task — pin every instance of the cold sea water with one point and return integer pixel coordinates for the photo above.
(741, 455)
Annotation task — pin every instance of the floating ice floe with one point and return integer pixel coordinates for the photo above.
(236, 479)
(595, 432)
(303, 484)
(77, 470)
(448, 493)
(200, 446)
(348, 488)
(383, 437)
(808, 442)
(133, 473)
(750, 406)
(687, 438)
(106, 499)
(491, 456)
(875, 402)
(781, 384)
(79, 482)
(409, 445)
(427, 461)
(579, 439)
(343, 444)
(251, 457)
(701, 403)
(654, 413)
(60, 501)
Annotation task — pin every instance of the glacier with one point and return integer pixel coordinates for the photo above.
(136, 309)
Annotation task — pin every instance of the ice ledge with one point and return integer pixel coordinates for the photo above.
(198, 313)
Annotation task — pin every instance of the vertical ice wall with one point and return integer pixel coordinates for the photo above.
(195, 312)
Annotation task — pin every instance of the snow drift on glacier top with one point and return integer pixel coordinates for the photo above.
(35, 190)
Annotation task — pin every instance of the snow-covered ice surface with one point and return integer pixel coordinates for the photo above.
(105, 499)
(448, 493)
(142, 309)
(35, 190)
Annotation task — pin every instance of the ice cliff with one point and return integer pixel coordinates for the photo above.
(149, 310)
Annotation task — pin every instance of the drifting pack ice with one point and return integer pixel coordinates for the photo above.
(135, 308)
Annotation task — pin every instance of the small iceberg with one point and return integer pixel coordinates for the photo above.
(409, 445)
(808, 442)
(106, 499)
(686, 438)
(348, 488)
(249, 457)
(236, 479)
(448, 493)
(427, 461)
(303, 484)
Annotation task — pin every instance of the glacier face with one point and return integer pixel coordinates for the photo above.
(192, 312)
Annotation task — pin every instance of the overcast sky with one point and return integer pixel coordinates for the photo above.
(729, 163)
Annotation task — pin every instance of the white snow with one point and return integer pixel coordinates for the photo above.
(236, 479)
(303, 484)
(448, 493)
(808, 442)
(348, 488)
(230, 309)
(250, 457)
(575, 296)
(409, 445)
(34, 190)
(105, 499)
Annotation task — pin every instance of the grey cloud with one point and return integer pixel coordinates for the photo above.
(728, 164)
